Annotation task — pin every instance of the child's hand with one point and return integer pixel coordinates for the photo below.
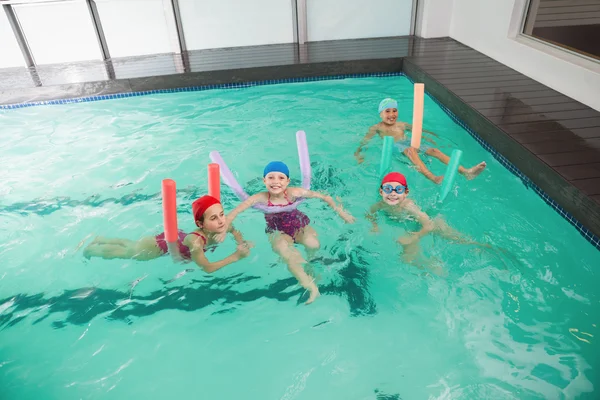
(408, 240)
(359, 158)
(346, 216)
(375, 229)
(220, 237)
(243, 250)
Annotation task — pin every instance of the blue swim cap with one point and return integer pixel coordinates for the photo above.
(276, 166)
(387, 103)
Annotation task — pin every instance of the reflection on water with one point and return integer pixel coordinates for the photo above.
(325, 178)
(84, 304)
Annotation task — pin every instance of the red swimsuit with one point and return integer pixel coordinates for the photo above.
(183, 249)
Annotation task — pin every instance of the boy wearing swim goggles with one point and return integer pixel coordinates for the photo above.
(390, 126)
(395, 202)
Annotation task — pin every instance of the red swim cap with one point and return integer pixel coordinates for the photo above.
(200, 206)
(395, 177)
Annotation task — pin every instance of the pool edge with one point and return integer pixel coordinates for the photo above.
(199, 88)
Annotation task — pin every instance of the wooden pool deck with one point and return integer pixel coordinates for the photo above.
(551, 138)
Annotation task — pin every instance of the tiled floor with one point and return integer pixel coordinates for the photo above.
(553, 139)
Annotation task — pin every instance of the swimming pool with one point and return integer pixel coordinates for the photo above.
(520, 325)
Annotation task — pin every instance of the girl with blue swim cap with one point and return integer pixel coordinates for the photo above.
(289, 227)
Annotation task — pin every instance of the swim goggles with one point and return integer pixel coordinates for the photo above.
(387, 189)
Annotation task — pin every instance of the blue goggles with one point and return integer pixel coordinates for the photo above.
(387, 189)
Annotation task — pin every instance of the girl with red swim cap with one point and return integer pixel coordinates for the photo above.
(211, 222)
(395, 202)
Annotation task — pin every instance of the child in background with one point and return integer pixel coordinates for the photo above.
(289, 227)
(211, 222)
(390, 126)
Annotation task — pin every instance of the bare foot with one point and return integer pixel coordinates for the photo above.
(82, 243)
(314, 293)
(472, 172)
(88, 252)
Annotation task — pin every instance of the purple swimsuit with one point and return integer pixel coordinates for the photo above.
(289, 222)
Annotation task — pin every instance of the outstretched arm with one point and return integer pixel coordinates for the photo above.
(244, 205)
(309, 194)
(199, 257)
(237, 235)
(443, 229)
(372, 131)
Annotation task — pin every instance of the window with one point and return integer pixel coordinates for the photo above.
(58, 32)
(571, 24)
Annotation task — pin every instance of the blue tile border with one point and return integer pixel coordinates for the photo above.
(587, 234)
(198, 88)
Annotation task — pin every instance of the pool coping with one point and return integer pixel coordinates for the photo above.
(331, 71)
(197, 88)
(192, 81)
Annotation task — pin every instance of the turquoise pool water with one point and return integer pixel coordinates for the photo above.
(516, 325)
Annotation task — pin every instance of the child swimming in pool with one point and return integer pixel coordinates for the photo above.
(289, 227)
(210, 220)
(395, 202)
(390, 126)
